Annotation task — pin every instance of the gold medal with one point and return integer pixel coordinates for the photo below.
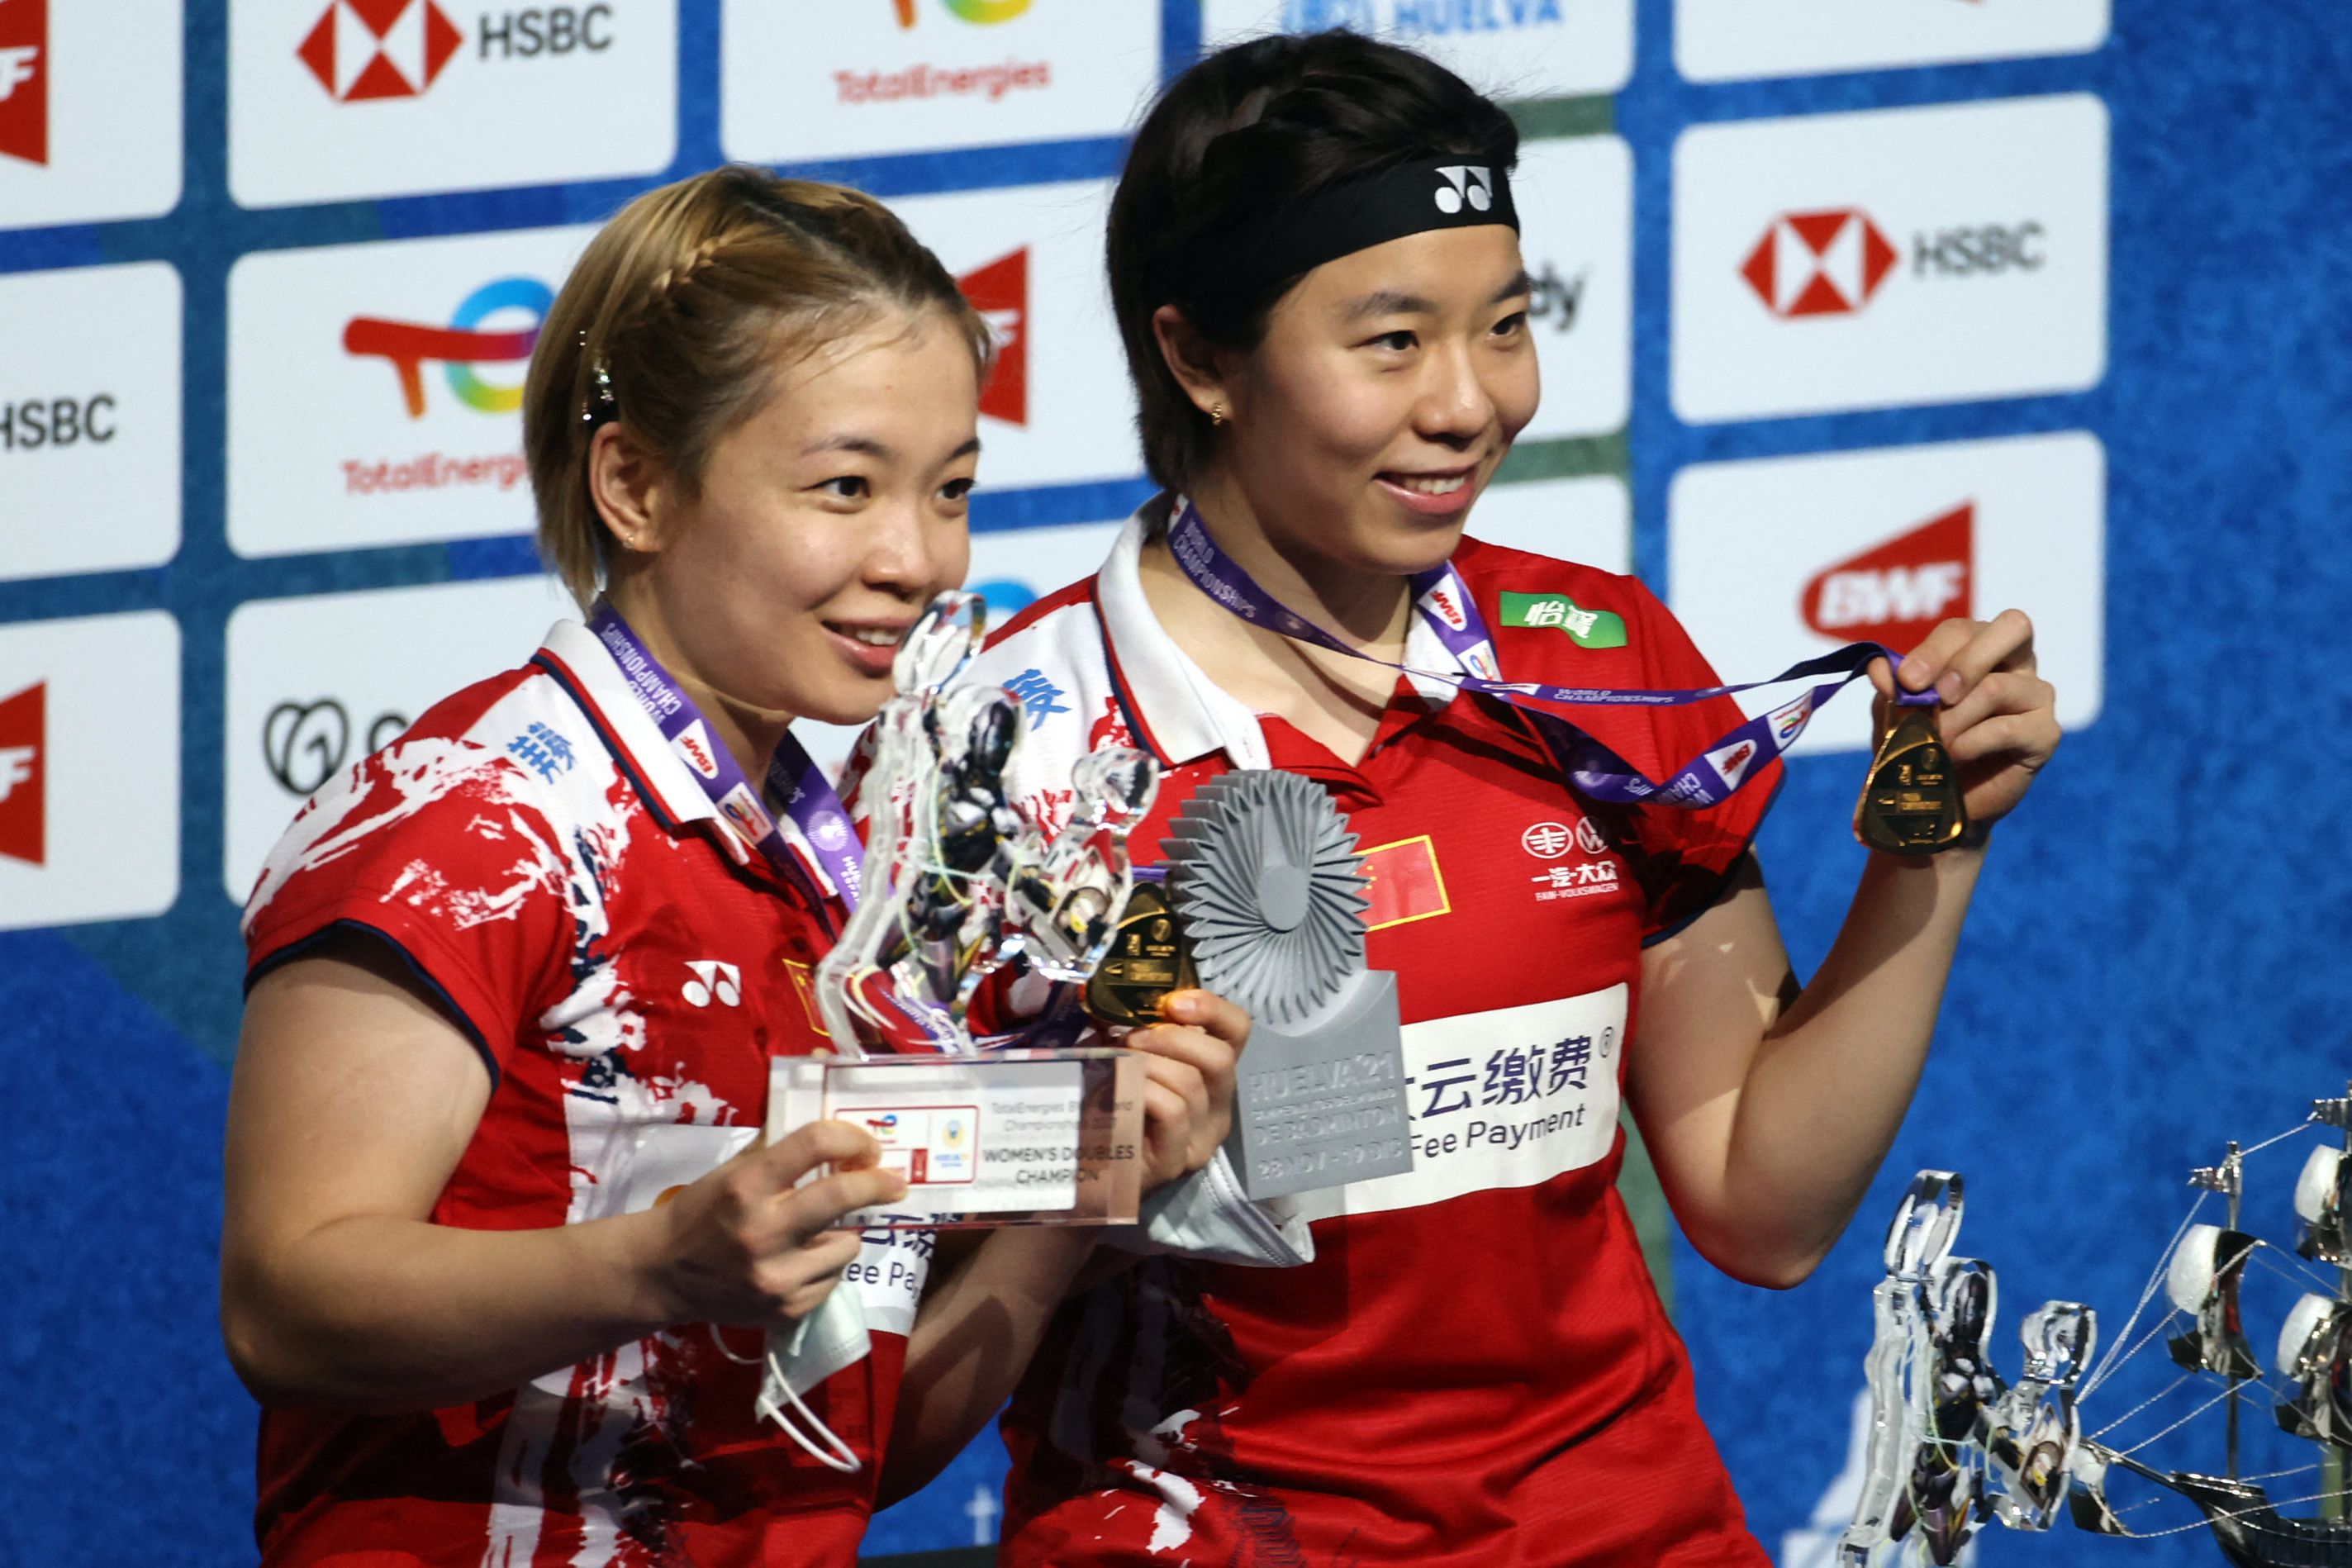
(1149, 958)
(1912, 804)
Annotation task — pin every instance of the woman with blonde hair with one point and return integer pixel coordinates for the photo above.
(502, 1244)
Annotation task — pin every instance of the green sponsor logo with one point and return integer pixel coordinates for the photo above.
(1586, 628)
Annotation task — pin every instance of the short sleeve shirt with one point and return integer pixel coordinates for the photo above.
(626, 967)
(1475, 1367)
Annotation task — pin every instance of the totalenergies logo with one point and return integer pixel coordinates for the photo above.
(983, 11)
(465, 343)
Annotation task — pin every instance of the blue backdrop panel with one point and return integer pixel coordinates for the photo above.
(2151, 969)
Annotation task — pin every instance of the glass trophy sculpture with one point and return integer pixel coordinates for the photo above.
(957, 884)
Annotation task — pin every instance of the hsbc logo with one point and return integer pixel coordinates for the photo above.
(23, 742)
(1897, 592)
(1818, 263)
(25, 81)
(999, 291)
(374, 49)
(1465, 184)
(1939, 253)
(1829, 263)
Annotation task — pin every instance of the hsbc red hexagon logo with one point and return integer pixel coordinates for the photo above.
(1818, 263)
(1897, 592)
(380, 48)
(999, 291)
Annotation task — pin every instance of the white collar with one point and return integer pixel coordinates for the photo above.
(1189, 716)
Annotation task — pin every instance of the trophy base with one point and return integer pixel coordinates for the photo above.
(1325, 1105)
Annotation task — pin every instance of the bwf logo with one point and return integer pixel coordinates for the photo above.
(24, 79)
(1465, 183)
(23, 742)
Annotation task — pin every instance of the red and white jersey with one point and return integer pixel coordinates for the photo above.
(547, 864)
(1474, 1366)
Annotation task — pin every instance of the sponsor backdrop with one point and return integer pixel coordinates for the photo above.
(1853, 314)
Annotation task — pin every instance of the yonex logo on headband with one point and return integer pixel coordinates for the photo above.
(1466, 182)
(1280, 240)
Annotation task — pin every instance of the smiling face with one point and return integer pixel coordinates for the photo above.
(823, 524)
(1388, 388)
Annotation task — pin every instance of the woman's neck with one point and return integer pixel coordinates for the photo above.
(1369, 609)
(749, 733)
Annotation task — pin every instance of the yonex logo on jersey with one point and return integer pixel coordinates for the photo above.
(23, 748)
(1585, 629)
(713, 981)
(1039, 696)
(1465, 183)
(1547, 840)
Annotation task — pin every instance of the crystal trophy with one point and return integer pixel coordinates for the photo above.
(957, 884)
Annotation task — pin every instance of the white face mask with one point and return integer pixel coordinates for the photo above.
(827, 1341)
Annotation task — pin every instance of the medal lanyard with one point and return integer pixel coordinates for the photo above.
(793, 778)
(1443, 601)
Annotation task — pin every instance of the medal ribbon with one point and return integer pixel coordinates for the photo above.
(1443, 600)
(793, 777)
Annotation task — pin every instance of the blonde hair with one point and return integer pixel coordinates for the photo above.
(687, 302)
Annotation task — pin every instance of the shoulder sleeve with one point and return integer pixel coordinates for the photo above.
(1684, 855)
(443, 849)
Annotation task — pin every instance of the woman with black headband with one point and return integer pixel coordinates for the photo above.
(1315, 262)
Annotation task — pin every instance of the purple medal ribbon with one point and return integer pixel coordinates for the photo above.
(793, 778)
(1444, 601)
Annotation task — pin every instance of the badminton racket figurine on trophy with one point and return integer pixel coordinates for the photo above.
(957, 884)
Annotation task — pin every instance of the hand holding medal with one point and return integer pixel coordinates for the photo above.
(1945, 773)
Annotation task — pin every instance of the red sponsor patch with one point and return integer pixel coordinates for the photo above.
(1403, 881)
(1895, 592)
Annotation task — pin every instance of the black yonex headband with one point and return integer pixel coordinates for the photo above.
(1337, 220)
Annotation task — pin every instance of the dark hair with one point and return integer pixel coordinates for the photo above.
(1249, 130)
